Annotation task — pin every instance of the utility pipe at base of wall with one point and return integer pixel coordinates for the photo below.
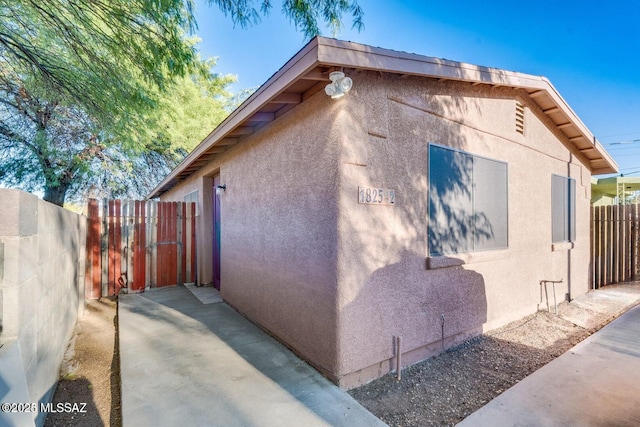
(546, 294)
(398, 358)
(442, 327)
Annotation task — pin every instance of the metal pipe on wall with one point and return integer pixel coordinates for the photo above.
(555, 302)
(398, 358)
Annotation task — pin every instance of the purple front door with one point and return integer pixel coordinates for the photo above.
(216, 233)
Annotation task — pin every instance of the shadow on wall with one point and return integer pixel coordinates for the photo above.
(445, 204)
(430, 310)
(458, 182)
(483, 377)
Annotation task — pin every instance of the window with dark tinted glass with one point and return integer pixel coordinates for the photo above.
(468, 209)
(563, 210)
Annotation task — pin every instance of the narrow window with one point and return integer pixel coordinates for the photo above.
(563, 209)
(192, 198)
(468, 209)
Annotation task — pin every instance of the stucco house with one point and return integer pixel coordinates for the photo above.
(427, 203)
(614, 190)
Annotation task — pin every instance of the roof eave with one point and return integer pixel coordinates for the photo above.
(336, 53)
(304, 61)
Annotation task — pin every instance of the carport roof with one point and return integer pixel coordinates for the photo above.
(307, 73)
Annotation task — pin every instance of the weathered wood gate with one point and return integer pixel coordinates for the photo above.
(615, 244)
(134, 245)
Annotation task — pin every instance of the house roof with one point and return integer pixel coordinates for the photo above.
(307, 73)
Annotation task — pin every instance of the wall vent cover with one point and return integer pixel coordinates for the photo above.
(519, 118)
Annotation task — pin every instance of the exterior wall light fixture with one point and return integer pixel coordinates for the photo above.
(220, 189)
(339, 85)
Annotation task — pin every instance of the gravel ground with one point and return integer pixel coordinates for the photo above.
(91, 370)
(444, 390)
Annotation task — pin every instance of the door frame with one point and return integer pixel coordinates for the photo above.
(216, 233)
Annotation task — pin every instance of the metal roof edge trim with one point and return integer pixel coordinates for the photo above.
(426, 66)
(334, 52)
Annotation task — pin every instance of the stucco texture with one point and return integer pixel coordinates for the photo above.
(336, 280)
(278, 232)
(385, 286)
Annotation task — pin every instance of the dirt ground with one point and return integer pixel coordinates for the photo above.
(444, 390)
(91, 370)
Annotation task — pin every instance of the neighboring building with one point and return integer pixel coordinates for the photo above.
(428, 203)
(615, 190)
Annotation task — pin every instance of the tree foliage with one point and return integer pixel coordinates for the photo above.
(102, 55)
(192, 107)
(104, 97)
(305, 14)
(99, 55)
(61, 150)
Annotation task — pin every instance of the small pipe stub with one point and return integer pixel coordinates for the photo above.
(553, 283)
(398, 358)
(442, 327)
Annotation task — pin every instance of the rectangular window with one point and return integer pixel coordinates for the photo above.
(563, 209)
(468, 209)
(192, 198)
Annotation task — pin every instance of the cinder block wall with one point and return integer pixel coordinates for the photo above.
(42, 255)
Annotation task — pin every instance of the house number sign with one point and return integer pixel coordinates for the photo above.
(376, 196)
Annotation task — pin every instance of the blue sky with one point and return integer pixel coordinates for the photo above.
(589, 50)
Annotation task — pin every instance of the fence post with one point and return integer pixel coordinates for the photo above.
(635, 229)
(180, 241)
(129, 242)
(591, 249)
(153, 244)
(627, 242)
(93, 270)
(194, 250)
(104, 249)
(596, 247)
(160, 260)
(621, 251)
(134, 285)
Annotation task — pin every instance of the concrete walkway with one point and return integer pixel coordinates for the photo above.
(188, 363)
(596, 383)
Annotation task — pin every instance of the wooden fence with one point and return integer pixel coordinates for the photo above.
(615, 239)
(134, 245)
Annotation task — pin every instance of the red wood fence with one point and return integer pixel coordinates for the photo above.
(134, 245)
(615, 244)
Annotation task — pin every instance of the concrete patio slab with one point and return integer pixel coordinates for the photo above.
(188, 363)
(596, 383)
(205, 294)
(595, 308)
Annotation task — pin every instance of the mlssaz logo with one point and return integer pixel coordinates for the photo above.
(63, 407)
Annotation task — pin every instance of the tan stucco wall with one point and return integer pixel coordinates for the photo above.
(386, 288)
(337, 281)
(278, 232)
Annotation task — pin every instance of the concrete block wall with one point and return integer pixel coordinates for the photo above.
(42, 268)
